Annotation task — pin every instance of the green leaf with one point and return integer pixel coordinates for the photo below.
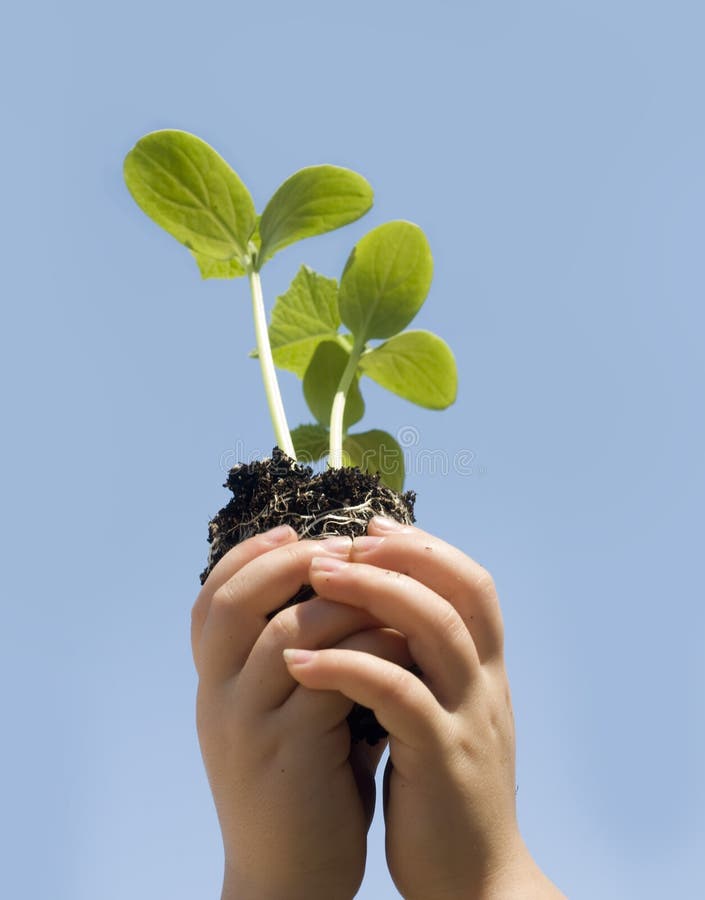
(218, 268)
(303, 317)
(377, 451)
(386, 280)
(310, 443)
(313, 201)
(416, 365)
(321, 382)
(186, 187)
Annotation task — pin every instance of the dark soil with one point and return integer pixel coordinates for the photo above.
(279, 491)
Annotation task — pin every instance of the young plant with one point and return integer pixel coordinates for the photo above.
(186, 187)
(384, 284)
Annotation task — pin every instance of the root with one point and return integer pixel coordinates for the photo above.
(278, 491)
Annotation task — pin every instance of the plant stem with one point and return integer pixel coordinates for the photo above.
(269, 375)
(335, 456)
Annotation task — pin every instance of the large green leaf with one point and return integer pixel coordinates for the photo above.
(187, 188)
(310, 442)
(377, 451)
(321, 383)
(416, 365)
(313, 201)
(386, 280)
(303, 317)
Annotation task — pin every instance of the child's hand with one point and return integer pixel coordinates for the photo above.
(449, 787)
(294, 803)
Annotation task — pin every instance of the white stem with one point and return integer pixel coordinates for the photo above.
(269, 375)
(335, 456)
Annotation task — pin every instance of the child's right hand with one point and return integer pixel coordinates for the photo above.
(294, 802)
(449, 790)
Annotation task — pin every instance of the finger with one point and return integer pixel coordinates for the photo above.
(438, 639)
(323, 711)
(238, 609)
(310, 625)
(402, 703)
(226, 567)
(444, 569)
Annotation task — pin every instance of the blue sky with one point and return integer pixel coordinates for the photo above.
(554, 153)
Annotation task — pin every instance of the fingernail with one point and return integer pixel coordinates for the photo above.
(336, 545)
(279, 534)
(327, 564)
(382, 523)
(365, 543)
(298, 657)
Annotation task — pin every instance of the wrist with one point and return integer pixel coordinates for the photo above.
(517, 878)
(238, 885)
(514, 876)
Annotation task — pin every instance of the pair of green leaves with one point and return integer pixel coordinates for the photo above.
(383, 285)
(180, 182)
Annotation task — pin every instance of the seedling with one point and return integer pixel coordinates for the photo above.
(187, 188)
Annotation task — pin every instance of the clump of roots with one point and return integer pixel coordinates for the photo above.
(279, 491)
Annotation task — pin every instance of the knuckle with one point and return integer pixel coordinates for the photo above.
(292, 553)
(282, 630)
(225, 599)
(289, 558)
(485, 585)
(450, 624)
(397, 685)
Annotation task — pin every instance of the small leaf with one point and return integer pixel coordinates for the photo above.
(186, 187)
(377, 451)
(310, 443)
(313, 201)
(416, 365)
(218, 268)
(321, 383)
(303, 317)
(386, 280)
